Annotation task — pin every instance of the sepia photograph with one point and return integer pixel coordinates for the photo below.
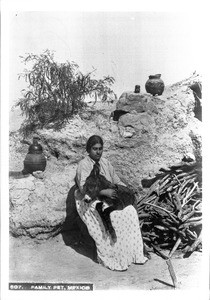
(105, 146)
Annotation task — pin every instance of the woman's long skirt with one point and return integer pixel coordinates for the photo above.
(127, 249)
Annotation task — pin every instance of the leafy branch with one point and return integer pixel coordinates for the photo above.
(56, 91)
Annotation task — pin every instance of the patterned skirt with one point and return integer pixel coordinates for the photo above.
(127, 249)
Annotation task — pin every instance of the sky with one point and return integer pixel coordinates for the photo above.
(127, 45)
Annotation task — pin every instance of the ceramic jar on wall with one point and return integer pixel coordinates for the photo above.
(155, 85)
(35, 159)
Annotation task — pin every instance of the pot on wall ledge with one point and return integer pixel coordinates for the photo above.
(137, 89)
(155, 85)
(35, 159)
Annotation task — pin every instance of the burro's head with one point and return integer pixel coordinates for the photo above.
(92, 185)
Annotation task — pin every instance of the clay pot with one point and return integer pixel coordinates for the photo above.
(137, 89)
(35, 159)
(155, 85)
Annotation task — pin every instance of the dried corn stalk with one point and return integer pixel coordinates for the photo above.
(170, 213)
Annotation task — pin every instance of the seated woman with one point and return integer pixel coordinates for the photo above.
(128, 248)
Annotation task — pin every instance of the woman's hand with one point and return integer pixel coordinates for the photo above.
(110, 193)
(87, 199)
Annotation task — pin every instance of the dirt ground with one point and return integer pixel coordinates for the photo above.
(54, 261)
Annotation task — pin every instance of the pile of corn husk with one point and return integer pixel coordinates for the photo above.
(170, 213)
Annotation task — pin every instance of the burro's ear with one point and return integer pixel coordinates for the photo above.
(85, 187)
(95, 171)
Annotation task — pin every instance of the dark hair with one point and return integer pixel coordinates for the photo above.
(94, 139)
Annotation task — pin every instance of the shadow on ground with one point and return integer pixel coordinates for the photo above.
(164, 283)
(74, 232)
